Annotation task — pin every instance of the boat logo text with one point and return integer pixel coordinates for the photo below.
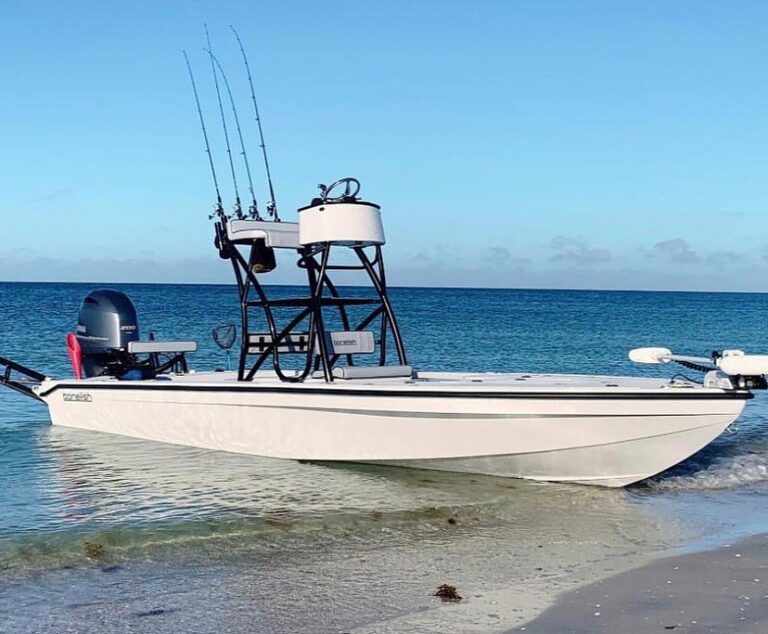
(80, 397)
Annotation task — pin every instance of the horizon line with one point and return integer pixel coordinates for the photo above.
(407, 286)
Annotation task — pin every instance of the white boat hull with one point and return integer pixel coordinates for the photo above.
(611, 464)
(610, 437)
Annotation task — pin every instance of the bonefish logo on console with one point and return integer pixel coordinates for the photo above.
(80, 397)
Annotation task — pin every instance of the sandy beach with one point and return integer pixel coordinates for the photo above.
(724, 590)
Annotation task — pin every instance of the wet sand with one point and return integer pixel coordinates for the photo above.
(387, 589)
(383, 584)
(374, 576)
(724, 590)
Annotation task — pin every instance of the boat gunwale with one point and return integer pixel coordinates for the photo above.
(660, 393)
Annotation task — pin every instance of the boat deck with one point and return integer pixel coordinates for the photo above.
(475, 384)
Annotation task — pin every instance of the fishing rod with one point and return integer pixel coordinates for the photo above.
(238, 207)
(218, 208)
(272, 204)
(254, 209)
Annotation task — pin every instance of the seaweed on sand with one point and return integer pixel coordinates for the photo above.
(93, 550)
(447, 593)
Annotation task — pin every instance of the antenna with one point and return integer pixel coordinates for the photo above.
(254, 209)
(218, 209)
(271, 205)
(238, 208)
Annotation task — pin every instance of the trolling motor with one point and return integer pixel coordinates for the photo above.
(729, 369)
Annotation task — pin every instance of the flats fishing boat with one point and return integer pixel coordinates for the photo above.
(325, 376)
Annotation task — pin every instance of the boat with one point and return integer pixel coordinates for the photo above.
(324, 376)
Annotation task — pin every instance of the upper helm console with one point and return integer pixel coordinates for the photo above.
(342, 220)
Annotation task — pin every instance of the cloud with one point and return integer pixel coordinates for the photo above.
(724, 258)
(444, 256)
(438, 265)
(678, 251)
(435, 256)
(675, 250)
(577, 251)
(498, 255)
(501, 257)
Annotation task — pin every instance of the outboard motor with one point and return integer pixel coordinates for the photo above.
(106, 324)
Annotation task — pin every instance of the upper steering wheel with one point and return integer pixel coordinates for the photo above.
(351, 189)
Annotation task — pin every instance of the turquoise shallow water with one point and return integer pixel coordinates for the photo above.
(74, 502)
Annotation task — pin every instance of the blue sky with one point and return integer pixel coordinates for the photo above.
(518, 144)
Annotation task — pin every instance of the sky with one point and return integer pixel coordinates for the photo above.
(529, 143)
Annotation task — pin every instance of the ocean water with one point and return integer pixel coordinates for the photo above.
(103, 533)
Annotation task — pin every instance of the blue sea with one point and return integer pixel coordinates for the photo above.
(102, 533)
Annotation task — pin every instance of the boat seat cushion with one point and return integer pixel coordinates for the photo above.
(161, 347)
(279, 235)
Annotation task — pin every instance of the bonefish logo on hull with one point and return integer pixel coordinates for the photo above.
(78, 397)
